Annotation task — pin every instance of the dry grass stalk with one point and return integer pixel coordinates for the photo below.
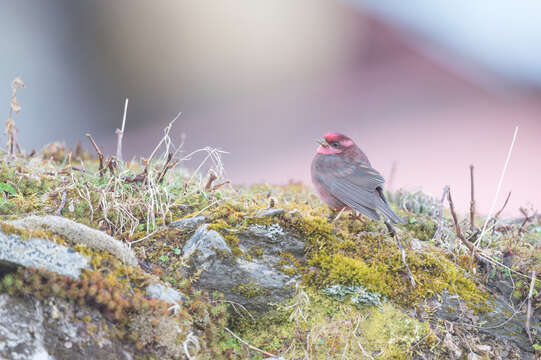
(527, 219)
(250, 346)
(168, 165)
(120, 132)
(14, 109)
(212, 177)
(508, 158)
(459, 234)
(529, 311)
(472, 201)
(219, 185)
(58, 211)
(98, 151)
(503, 207)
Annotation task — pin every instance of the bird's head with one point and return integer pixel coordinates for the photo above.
(334, 143)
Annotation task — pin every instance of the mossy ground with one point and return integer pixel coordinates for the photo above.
(347, 252)
(330, 329)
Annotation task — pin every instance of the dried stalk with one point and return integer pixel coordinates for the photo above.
(503, 207)
(459, 234)
(120, 132)
(98, 151)
(507, 159)
(217, 186)
(58, 211)
(14, 109)
(472, 201)
(212, 177)
(527, 219)
(529, 311)
(168, 165)
(250, 346)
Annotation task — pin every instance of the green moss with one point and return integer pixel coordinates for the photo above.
(332, 330)
(288, 264)
(256, 251)
(248, 290)
(421, 228)
(338, 255)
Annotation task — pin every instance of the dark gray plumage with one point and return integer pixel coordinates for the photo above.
(344, 177)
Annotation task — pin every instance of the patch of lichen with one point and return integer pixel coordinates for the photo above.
(330, 329)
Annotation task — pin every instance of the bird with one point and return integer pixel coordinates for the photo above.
(344, 179)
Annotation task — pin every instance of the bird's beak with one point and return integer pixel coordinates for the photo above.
(322, 142)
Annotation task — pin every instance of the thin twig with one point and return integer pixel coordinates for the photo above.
(459, 234)
(527, 218)
(58, 211)
(478, 241)
(14, 109)
(250, 346)
(168, 165)
(98, 151)
(472, 201)
(111, 164)
(503, 207)
(529, 311)
(212, 177)
(166, 136)
(219, 185)
(120, 132)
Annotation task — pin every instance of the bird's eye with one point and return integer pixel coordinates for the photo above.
(335, 144)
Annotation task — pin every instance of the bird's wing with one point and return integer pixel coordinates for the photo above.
(352, 182)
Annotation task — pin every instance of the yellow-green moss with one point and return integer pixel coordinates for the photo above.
(248, 290)
(333, 330)
(421, 228)
(288, 264)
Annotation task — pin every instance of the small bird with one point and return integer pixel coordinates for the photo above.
(344, 178)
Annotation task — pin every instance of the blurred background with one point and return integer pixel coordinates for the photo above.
(429, 85)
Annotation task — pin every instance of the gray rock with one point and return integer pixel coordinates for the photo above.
(79, 234)
(498, 323)
(53, 329)
(188, 223)
(165, 293)
(230, 274)
(269, 213)
(40, 253)
(206, 242)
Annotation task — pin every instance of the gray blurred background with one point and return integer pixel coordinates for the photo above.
(428, 84)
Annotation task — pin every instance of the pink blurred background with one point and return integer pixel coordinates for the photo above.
(431, 86)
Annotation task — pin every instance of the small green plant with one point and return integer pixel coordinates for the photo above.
(8, 188)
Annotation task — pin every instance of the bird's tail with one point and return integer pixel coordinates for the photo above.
(383, 206)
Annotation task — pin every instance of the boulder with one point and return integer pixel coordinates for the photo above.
(256, 280)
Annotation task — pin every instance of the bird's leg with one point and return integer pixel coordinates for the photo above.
(402, 252)
(339, 214)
